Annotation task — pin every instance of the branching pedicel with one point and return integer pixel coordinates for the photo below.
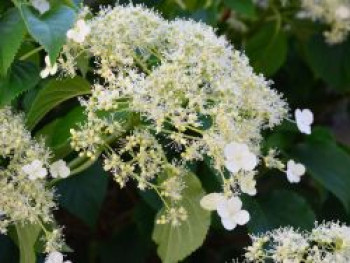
(185, 91)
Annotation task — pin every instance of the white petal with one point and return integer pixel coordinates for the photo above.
(222, 209)
(79, 38)
(80, 23)
(230, 149)
(45, 73)
(242, 217)
(250, 162)
(304, 119)
(232, 166)
(234, 204)
(292, 178)
(27, 169)
(37, 164)
(53, 70)
(308, 116)
(210, 201)
(54, 257)
(47, 61)
(304, 128)
(70, 33)
(228, 223)
(299, 169)
(41, 173)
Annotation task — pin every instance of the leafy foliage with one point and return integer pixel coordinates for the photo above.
(54, 93)
(292, 52)
(22, 77)
(12, 31)
(50, 29)
(177, 242)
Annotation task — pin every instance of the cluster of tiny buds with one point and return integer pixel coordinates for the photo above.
(327, 242)
(174, 216)
(178, 77)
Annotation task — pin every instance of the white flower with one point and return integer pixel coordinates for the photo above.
(59, 169)
(343, 12)
(238, 157)
(49, 70)
(41, 5)
(231, 213)
(304, 119)
(247, 184)
(80, 31)
(294, 171)
(55, 257)
(35, 170)
(210, 201)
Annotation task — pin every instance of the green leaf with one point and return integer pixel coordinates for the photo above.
(330, 62)
(329, 165)
(286, 208)
(27, 236)
(83, 194)
(177, 242)
(12, 31)
(23, 76)
(267, 49)
(54, 93)
(57, 132)
(259, 222)
(49, 29)
(244, 7)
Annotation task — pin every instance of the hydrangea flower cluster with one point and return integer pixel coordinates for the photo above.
(24, 165)
(333, 13)
(185, 91)
(327, 242)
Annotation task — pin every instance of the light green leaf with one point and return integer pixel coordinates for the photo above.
(27, 236)
(49, 29)
(177, 242)
(329, 165)
(23, 76)
(12, 31)
(267, 49)
(56, 133)
(54, 93)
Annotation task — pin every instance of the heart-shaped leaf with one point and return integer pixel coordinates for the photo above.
(49, 29)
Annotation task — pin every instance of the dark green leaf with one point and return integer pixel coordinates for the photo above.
(12, 31)
(49, 29)
(57, 133)
(286, 208)
(177, 242)
(125, 246)
(330, 62)
(23, 76)
(328, 164)
(54, 93)
(267, 49)
(259, 222)
(83, 194)
(244, 7)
